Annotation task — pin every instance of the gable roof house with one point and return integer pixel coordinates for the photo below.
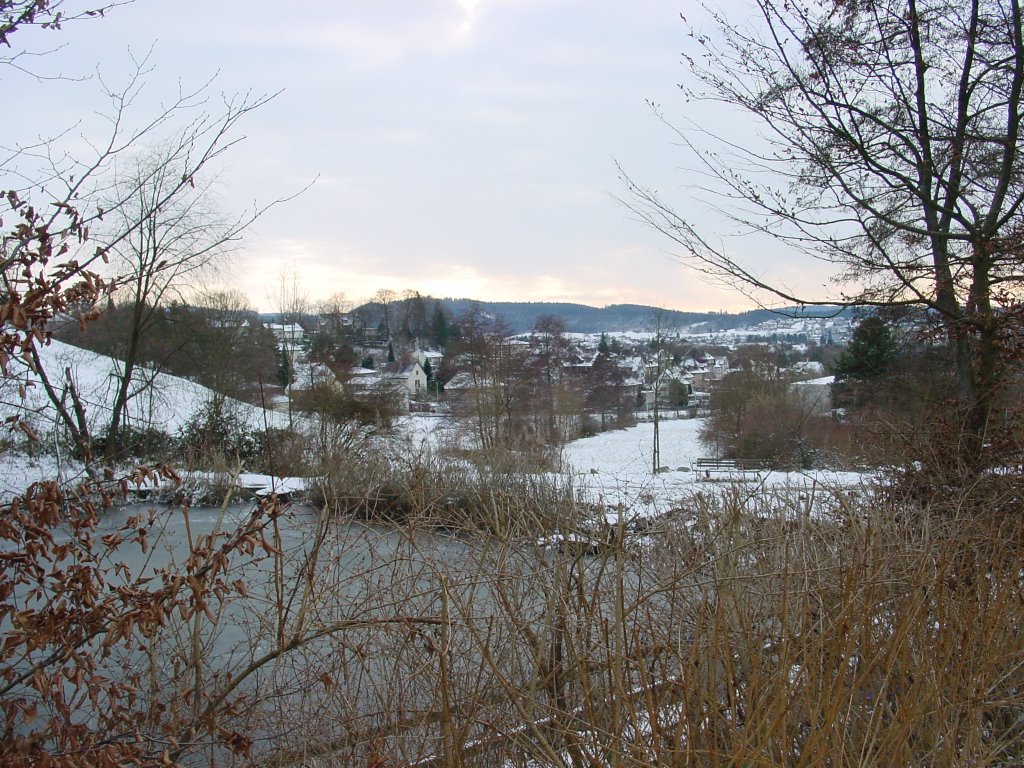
(423, 355)
(465, 384)
(396, 382)
(580, 363)
(704, 370)
(468, 393)
(719, 367)
(409, 376)
(814, 395)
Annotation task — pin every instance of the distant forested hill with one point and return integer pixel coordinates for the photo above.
(580, 318)
(520, 316)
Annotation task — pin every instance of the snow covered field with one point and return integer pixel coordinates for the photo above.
(164, 402)
(616, 468)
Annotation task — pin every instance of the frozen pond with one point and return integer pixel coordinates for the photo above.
(374, 610)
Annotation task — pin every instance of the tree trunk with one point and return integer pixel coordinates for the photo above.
(979, 365)
(113, 444)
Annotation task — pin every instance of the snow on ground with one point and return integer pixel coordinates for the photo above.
(168, 404)
(265, 485)
(821, 381)
(615, 468)
(18, 471)
(425, 431)
(612, 468)
(629, 451)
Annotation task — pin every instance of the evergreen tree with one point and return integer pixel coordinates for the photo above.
(442, 330)
(871, 351)
(867, 360)
(391, 352)
(602, 347)
(285, 370)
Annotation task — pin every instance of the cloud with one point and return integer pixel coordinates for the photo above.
(462, 147)
(471, 10)
(366, 36)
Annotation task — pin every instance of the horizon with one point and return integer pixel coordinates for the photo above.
(313, 308)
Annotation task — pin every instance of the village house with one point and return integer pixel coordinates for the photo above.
(467, 393)
(399, 382)
(409, 376)
(579, 363)
(423, 356)
(814, 395)
(287, 335)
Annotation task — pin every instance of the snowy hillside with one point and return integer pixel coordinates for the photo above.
(160, 401)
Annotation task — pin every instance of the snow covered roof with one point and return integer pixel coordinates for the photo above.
(822, 381)
(398, 370)
(286, 329)
(464, 380)
(809, 367)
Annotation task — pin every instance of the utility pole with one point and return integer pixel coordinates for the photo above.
(659, 351)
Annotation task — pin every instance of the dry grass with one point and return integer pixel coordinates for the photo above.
(500, 498)
(753, 627)
(748, 634)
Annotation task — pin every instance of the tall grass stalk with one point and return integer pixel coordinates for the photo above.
(746, 631)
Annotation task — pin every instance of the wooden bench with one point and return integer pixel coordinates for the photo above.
(708, 465)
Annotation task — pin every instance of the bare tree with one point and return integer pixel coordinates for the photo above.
(890, 153)
(494, 370)
(69, 215)
(55, 203)
(661, 361)
(548, 347)
(606, 389)
(19, 15)
(235, 350)
(290, 300)
(386, 298)
(42, 226)
(289, 297)
(333, 309)
(171, 241)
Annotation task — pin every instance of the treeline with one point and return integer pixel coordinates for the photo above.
(892, 404)
(218, 341)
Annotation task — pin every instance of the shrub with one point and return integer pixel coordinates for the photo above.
(589, 426)
(276, 451)
(86, 673)
(219, 435)
(500, 499)
(376, 408)
(146, 443)
(751, 627)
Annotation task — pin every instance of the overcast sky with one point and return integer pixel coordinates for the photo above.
(460, 148)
